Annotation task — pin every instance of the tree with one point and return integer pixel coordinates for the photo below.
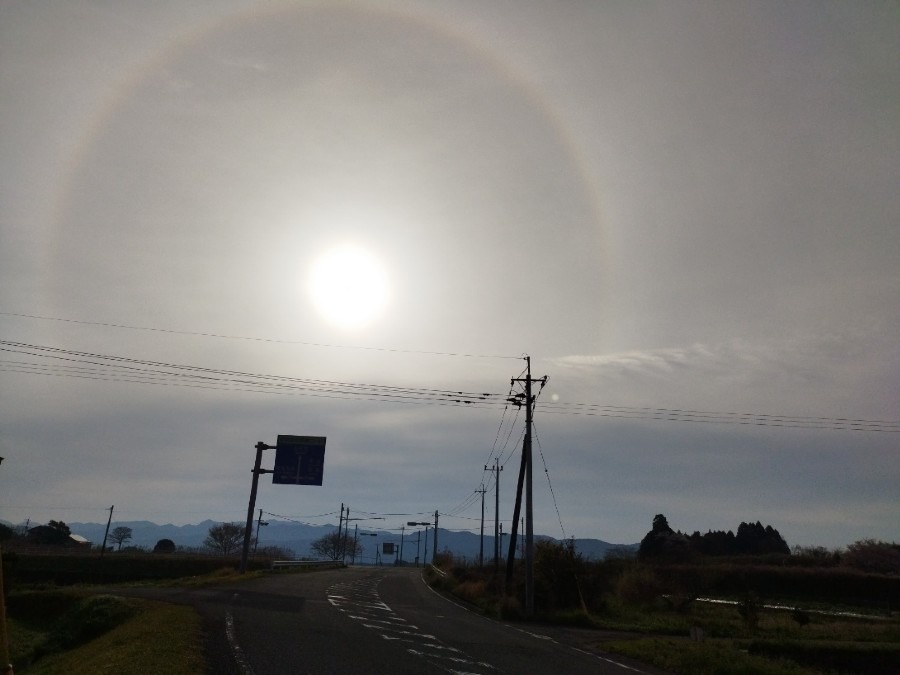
(663, 542)
(120, 535)
(754, 539)
(870, 555)
(335, 546)
(54, 533)
(225, 538)
(6, 532)
(164, 546)
(660, 525)
(60, 527)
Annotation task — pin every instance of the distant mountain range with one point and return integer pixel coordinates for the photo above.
(297, 538)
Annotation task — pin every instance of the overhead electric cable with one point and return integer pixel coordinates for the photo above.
(709, 417)
(254, 339)
(88, 365)
(547, 473)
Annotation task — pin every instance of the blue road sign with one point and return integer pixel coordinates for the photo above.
(299, 460)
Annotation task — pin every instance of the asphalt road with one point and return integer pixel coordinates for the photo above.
(374, 620)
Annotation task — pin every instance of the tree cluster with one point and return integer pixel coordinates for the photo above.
(751, 539)
(225, 538)
(335, 546)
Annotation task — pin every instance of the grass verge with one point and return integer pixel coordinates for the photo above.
(711, 657)
(65, 632)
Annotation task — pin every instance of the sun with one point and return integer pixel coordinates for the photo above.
(348, 286)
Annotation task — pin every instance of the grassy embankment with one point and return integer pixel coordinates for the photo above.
(72, 628)
(56, 632)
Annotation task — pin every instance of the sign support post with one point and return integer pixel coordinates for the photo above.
(245, 552)
(299, 460)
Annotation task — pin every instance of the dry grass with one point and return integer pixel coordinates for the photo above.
(160, 638)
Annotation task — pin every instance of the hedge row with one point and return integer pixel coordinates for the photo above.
(871, 659)
(65, 570)
(836, 585)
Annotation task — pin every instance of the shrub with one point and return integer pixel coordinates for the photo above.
(638, 585)
(870, 555)
(471, 591)
(89, 618)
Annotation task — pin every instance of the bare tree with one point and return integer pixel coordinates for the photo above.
(225, 538)
(120, 535)
(334, 546)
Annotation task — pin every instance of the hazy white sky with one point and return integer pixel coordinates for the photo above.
(675, 206)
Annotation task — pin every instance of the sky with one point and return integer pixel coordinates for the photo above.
(684, 212)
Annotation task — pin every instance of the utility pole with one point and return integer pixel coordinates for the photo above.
(258, 523)
(340, 525)
(413, 523)
(402, 536)
(344, 539)
(496, 469)
(481, 548)
(525, 476)
(434, 548)
(106, 534)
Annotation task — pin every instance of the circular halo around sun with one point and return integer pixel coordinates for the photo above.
(348, 286)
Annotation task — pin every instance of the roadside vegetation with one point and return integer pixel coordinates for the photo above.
(715, 603)
(686, 611)
(66, 631)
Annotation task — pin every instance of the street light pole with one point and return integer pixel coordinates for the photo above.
(346, 530)
(360, 534)
(426, 525)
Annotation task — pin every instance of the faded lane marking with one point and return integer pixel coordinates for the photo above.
(238, 653)
(360, 601)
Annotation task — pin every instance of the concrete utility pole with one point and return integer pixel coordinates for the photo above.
(106, 534)
(248, 529)
(496, 469)
(527, 399)
(259, 521)
(434, 548)
(481, 547)
(413, 523)
(340, 525)
(7, 667)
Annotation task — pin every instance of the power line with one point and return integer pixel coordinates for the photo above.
(547, 473)
(713, 417)
(254, 339)
(87, 365)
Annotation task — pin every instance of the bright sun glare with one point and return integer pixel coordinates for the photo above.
(348, 286)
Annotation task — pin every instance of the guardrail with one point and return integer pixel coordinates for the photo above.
(438, 570)
(279, 564)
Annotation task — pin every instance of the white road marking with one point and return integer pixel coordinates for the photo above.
(236, 650)
(360, 601)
